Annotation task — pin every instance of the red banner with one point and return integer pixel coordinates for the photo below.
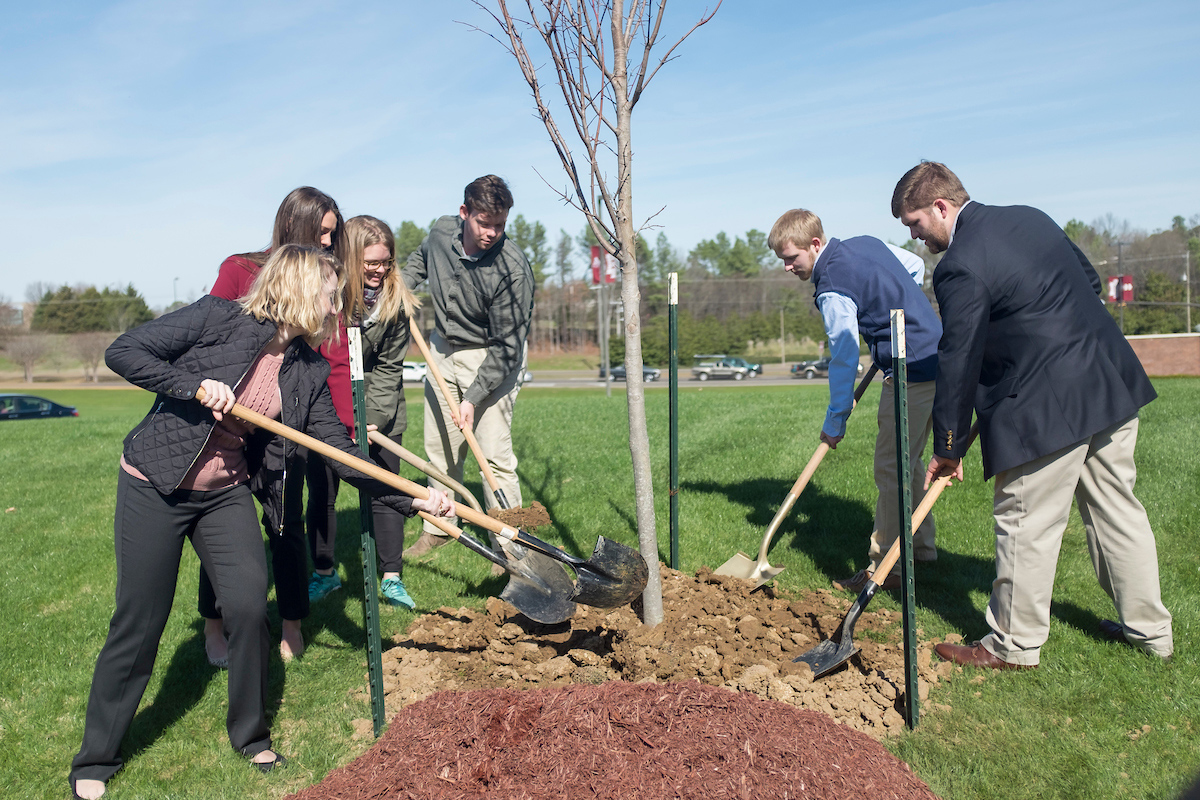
(610, 266)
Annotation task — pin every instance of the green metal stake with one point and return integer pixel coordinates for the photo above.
(673, 335)
(904, 481)
(367, 519)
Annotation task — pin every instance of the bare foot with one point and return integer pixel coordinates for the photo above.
(89, 789)
(215, 645)
(292, 643)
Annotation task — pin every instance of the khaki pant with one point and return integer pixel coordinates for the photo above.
(446, 447)
(1032, 503)
(887, 504)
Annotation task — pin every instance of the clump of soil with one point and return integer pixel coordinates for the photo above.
(618, 740)
(536, 516)
(715, 630)
(706, 704)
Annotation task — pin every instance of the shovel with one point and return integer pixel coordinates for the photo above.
(613, 576)
(429, 469)
(761, 571)
(467, 432)
(538, 587)
(831, 654)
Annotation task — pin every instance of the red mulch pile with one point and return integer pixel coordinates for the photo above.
(617, 740)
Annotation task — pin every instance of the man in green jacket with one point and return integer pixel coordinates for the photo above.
(481, 287)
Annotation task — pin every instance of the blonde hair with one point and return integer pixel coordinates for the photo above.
(798, 226)
(394, 296)
(288, 290)
(925, 183)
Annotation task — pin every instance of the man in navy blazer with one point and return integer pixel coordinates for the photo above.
(1056, 388)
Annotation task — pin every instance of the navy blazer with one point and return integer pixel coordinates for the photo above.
(1026, 342)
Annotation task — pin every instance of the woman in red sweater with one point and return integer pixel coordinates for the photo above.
(310, 217)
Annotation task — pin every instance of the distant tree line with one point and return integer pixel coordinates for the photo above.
(85, 309)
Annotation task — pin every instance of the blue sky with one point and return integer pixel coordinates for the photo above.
(145, 141)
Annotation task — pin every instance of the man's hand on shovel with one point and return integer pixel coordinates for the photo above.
(939, 466)
(466, 414)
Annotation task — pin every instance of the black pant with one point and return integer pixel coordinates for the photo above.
(323, 485)
(149, 531)
(288, 562)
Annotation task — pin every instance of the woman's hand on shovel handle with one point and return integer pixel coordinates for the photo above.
(939, 467)
(437, 504)
(218, 397)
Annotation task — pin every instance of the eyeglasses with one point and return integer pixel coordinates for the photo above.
(385, 264)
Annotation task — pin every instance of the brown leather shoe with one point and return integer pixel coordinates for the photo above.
(858, 581)
(974, 655)
(426, 543)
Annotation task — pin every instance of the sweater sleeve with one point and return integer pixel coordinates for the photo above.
(234, 278)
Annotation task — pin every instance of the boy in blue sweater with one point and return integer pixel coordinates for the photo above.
(856, 284)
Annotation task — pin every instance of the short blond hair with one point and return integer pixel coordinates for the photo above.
(798, 226)
(288, 289)
(925, 183)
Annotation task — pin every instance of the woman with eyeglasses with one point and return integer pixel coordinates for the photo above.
(380, 303)
(186, 473)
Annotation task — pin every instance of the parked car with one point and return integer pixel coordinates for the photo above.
(414, 371)
(812, 369)
(720, 366)
(26, 406)
(618, 373)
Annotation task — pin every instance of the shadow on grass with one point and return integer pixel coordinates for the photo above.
(187, 679)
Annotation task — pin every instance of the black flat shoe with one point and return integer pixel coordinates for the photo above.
(266, 766)
(75, 794)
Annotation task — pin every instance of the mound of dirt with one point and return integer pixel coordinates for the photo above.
(478, 696)
(618, 740)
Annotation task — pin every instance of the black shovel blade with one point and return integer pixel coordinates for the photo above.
(612, 577)
(832, 653)
(539, 588)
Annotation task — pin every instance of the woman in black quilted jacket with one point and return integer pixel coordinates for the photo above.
(188, 471)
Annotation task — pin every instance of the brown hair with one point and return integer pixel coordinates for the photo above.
(487, 195)
(287, 290)
(394, 296)
(925, 183)
(798, 226)
(298, 221)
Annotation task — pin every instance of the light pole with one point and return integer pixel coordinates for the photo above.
(1187, 286)
(1121, 270)
(175, 288)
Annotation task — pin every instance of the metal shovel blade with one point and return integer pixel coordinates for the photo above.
(744, 567)
(832, 653)
(612, 577)
(539, 587)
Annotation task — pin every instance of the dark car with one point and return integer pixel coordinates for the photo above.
(618, 373)
(26, 406)
(811, 369)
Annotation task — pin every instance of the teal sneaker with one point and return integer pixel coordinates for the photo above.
(395, 593)
(321, 585)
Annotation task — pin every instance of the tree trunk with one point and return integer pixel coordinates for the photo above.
(639, 438)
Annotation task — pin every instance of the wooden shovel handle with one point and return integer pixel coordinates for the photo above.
(935, 491)
(415, 460)
(368, 468)
(468, 433)
(807, 474)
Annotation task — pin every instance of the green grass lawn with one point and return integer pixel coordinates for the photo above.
(1097, 720)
